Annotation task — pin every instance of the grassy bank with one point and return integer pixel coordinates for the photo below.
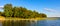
(11, 18)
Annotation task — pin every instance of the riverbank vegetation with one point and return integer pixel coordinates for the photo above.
(17, 16)
(20, 12)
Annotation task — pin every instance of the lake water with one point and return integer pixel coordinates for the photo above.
(48, 23)
(44, 23)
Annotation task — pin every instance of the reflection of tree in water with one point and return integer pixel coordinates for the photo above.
(23, 23)
(18, 23)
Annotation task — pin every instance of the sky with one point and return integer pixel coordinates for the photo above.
(50, 7)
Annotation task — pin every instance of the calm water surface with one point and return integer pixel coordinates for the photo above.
(48, 23)
(44, 23)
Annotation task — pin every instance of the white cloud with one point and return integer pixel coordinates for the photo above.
(1, 6)
(54, 15)
(52, 12)
(49, 10)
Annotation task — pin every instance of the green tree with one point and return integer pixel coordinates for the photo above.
(8, 10)
(42, 15)
(0, 13)
(21, 12)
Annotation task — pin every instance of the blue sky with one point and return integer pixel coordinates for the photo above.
(50, 7)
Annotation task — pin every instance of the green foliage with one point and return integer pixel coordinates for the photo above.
(20, 12)
(0, 13)
(8, 10)
(43, 15)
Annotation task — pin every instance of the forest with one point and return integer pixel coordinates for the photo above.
(20, 12)
(10, 13)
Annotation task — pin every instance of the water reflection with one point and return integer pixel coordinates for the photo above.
(0, 23)
(53, 22)
(31, 23)
(42, 23)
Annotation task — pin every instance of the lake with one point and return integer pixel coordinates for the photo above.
(40, 23)
(48, 23)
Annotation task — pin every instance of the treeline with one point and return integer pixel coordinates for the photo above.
(20, 12)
